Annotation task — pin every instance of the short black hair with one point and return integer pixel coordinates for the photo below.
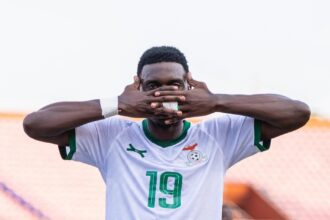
(162, 54)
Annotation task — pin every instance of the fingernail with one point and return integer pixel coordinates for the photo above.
(153, 105)
(157, 93)
(182, 98)
(176, 88)
(179, 113)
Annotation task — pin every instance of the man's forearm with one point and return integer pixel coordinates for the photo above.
(57, 118)
(276, 110)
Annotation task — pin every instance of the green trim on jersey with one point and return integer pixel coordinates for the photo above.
(72, 144)
(186, 126)
(261, 145)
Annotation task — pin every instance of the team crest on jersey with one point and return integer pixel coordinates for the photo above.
(194, 156)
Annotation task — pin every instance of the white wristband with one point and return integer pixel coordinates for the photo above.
(109, 106)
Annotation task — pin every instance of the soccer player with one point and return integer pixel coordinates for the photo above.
(163, 167)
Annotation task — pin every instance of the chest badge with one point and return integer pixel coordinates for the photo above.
(133, 149)
(194, 157)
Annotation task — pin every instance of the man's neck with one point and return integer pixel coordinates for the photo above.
(165, 133)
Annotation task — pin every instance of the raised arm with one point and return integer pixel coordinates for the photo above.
(52, 123)
(278, 114)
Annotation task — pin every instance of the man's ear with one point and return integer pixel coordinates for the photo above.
(137, 82)
(140, 83)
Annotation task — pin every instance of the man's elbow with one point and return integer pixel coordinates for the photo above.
(302, 114)
(30, 126)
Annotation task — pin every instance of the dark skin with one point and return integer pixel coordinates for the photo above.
(279, 114)
(158, 76)
(168, 82)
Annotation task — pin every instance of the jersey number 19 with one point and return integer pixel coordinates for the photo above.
(174, 191)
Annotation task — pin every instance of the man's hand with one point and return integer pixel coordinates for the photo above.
(278, 114)
(135, 103)
(199, 100)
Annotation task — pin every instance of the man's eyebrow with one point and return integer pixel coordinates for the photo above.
(176, 80)
(150, 81)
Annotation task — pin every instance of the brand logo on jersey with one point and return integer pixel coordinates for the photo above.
(133, 149)
(190, 147)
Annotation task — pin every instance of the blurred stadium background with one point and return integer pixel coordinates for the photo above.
(78, 50)
(290, 181)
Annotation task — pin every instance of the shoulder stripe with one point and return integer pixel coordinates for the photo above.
(67, 152)
(260, 144)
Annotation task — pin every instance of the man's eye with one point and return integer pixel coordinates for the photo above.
(151, 86)
(177, 84)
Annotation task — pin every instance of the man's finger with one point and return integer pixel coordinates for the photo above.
(167, 111)
(156, 105)
(163, 93)
(171, 121)
(184, 108)
(168, 99)
(163, 88)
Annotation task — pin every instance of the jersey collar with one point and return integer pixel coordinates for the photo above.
(186, 126)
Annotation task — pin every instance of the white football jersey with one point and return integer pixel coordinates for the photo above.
(151, 179)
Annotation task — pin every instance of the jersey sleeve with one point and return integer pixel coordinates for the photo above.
(90, 143)
(238, 136)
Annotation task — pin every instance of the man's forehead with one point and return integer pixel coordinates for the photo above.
(163, 69)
